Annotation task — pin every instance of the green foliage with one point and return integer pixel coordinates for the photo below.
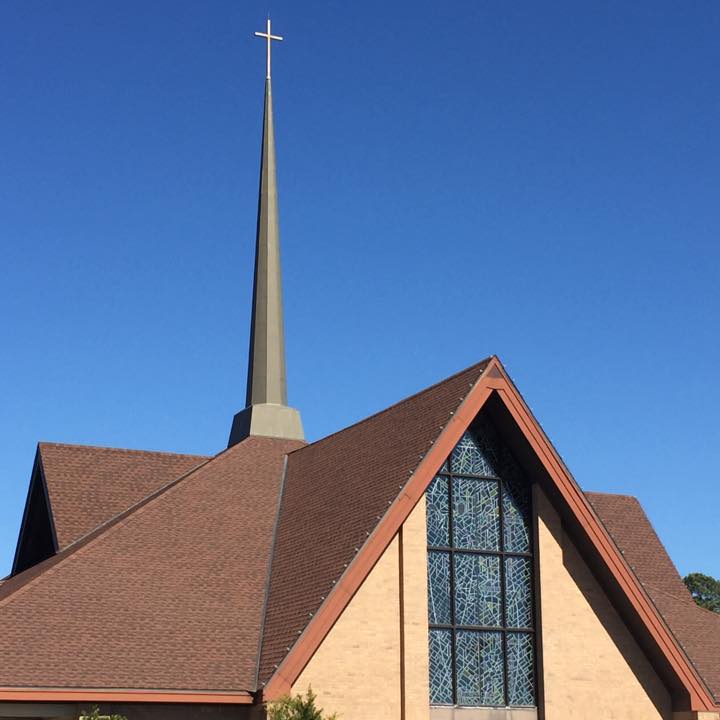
(95, 714)
(705, 590)
(297, 708)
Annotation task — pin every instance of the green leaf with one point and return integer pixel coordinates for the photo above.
(705, 590)
(297, 708)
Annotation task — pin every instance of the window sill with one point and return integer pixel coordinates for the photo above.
(447, 712)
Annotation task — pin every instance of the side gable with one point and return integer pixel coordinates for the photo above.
(493, 384)
(37, 540)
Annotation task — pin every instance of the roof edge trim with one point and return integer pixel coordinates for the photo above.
(146, 695)
(484, 364)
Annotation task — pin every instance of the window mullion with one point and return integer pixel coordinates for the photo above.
(451, 541)
(503, 599)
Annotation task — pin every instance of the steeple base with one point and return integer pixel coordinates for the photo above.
(267, 420)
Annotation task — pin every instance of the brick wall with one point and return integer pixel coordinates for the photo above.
(593, 668)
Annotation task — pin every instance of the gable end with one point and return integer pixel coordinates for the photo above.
(37, 540)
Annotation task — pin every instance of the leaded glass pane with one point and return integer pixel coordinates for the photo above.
(441, 691)
(438, 520)
(521, 673)
(439, 587)
(516, 516)
(469, 458)
(477, 590)
(476, 514)
(518, 592)
(496, 453)
(479, 663)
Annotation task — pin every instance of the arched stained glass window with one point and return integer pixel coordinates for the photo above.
(480, 576)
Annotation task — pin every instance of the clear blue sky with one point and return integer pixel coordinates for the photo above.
(535, 180)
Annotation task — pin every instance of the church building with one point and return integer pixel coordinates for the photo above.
(435, 561)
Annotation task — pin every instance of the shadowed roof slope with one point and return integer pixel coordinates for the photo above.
(336, 490)
(88, 486)
(169, 595)
(697, 629)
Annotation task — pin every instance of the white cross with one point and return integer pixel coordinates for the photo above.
(270, 37)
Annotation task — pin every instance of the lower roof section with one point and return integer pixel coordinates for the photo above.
(167, 595)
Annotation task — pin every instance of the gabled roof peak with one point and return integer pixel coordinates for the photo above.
(479, 367)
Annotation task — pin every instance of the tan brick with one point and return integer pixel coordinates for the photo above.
(593, 668)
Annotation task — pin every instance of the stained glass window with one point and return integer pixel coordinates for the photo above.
(480, 576)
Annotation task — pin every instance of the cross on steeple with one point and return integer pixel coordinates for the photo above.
(270, 37)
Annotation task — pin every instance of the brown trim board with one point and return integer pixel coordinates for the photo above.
(145, 696)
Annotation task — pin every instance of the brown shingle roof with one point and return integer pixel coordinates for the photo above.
(336, 490)
(88, 486)
(697, 630)
(169, 595)
(633, 533)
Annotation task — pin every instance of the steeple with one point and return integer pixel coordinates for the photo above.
(267, 412)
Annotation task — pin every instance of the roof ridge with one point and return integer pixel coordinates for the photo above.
(268, 578)
(688, 599)
(46, 443)
(483, 362)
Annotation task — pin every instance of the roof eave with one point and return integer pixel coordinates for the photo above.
(220, 697)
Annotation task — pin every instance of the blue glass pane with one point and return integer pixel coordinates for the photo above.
(470, 458)
(518, 592)
(496, 454)
(521, 672)
(441, 667)
(438, 522)
(477, 590)
(439, 588)
(516, 516)
(479, 659)
(476, 514)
